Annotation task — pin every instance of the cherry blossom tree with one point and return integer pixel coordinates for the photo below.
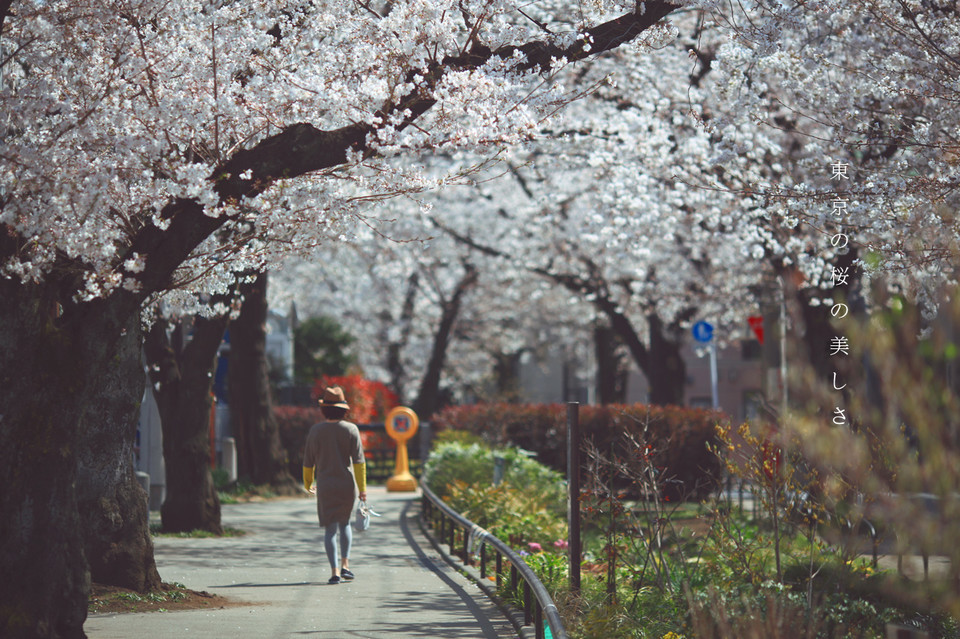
(834, 127)
(261, 457)
(408, 302)
(732, 171)
(598, 217)
(181, 355)
(181, 371)
(151, 149)
(864, 89)
(605, 209)
(858, 211)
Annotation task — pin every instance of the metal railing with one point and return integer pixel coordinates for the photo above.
(463, 536)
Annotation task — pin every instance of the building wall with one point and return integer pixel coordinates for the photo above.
(148, 451)
(552, 378)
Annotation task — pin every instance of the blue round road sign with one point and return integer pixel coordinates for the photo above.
(703, 331)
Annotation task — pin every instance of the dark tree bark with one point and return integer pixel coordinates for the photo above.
(55, 351)
(611, 375)
(57, 362)
(660, 360)
(428, 398)
(112, 504)
(4, 10)
(815, 323)
(667, 372)
(260, 454)
(506, 374)
(182, 376)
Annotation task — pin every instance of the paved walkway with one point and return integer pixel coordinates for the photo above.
(403, 586)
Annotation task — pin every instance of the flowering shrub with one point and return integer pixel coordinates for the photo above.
(369, 400)
(527, 509)
(453, 462)
(675, 438)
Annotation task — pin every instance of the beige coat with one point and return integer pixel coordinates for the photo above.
(332, 448)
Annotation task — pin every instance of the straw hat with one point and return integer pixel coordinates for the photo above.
(333, 396)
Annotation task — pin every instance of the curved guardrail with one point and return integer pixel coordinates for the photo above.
(538, 606)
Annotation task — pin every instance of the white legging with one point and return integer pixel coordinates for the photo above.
(330, 543)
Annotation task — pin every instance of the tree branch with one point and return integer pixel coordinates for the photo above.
(302, 148)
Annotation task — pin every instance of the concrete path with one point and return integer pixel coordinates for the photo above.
(403, 586)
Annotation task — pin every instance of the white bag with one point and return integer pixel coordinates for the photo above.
(362, 521)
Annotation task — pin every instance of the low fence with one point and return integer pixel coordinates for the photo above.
(381, 451)
(464, 538)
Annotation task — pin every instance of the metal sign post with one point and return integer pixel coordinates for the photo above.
(573, 488)
(714, 393)
(703, 333)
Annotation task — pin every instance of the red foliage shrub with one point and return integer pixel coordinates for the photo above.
(673, 438)
(369, 400)
(375, 440)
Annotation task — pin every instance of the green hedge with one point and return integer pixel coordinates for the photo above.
(677, 437)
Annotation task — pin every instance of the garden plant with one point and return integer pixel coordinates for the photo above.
(807, 545)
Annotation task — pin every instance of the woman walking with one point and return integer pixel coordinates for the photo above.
(333, 455)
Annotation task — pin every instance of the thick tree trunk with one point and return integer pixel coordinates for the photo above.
(667, 372)
(183, 379)
(54, 362)
(428, 399)
(661, 361)
(816, 324)
(506, 375)
(113, 505)
(611, 376)
(261, 456)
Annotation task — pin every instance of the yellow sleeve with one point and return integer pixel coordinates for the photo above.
(307, 477)
(360, 474)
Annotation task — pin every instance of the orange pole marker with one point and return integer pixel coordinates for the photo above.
(401, 425)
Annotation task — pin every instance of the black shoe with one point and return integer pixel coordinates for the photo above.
(346, 574)
(333, 580)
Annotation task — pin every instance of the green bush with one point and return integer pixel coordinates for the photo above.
(518, 517)
(221, 478)
(457, 436)
(527, 506)
(475, 463)
(674, 439)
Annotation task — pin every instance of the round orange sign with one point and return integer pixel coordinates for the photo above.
(402, 423)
